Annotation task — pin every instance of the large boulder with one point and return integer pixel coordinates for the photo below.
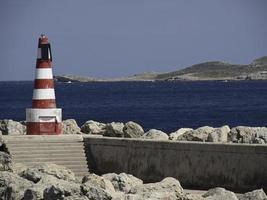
(114, 129)
(13, 186)
(57, 189)
(254, 195)
(10, 127)
(5, 161)
(35, 173)
(219, 194)
(132, 130)
(93, 192)
(175, 135)
(200, 134)
(245, 134)
(219, 134)
(93, 127)
(169, 188)
(122, 182)
(70, 126)
(156, 135)
(52, 188)
(99, 181)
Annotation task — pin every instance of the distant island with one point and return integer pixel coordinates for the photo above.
(207, 71)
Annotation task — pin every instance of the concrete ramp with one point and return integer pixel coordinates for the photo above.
(66, 150)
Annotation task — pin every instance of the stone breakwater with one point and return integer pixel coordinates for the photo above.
(224, 134)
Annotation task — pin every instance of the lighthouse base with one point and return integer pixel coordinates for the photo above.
(43, 121)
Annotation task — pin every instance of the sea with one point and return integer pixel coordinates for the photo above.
(166, 106)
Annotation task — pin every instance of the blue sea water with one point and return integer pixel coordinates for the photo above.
(162, 105)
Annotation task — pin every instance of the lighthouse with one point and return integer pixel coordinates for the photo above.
(44, 118)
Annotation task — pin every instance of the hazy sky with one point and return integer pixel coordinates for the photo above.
(114, 38)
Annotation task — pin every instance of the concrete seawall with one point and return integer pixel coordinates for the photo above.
(238, 167)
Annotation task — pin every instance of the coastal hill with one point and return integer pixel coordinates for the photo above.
(214, 70)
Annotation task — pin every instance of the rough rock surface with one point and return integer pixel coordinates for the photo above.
(132, 130)
(254, 195)
(93, 127)
(200, 134)
(168, 188)
(114, 129)
(93, 192)
(219, 194)
(5, 162)
(219, 134)
(10, 127)
(58, 188)
(123, 182)
(99, 181)
(156, 135)
(244, 134)
(175, 135)
(70, 127)
(36, 172)
(12, 186)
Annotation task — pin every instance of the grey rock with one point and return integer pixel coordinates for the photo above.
(219, 134)
(59, 189)
(200, 134)
(168, 188)
(219, 194)
(122, 182)
(188, 196)
(35, 173)
(99, 181)
(10, 127)
(5, 161)
(114, 129)
(244, 134)
(254, 195)
(156, 135)
(93, 192)
(50, 187)
(70, 127)
(76, 197)
(35, 192)
(132, 130)
(93, 127)
(175, 135)
(12, 186)
(18, 168)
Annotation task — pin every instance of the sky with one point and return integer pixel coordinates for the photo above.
(115, 38)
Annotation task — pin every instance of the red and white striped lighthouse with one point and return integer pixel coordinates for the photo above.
(44, 118)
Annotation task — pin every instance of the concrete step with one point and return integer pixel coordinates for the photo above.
(44, 148)
(52, 159)
(64, 150)
(35, 144)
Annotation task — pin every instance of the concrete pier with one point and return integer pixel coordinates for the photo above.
(238, 167)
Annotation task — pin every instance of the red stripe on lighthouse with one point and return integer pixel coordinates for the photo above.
(43, 64)
(43, 83)
(44, 128)
(44, 103)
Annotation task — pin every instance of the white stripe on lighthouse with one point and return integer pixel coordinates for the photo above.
(33, 114)
(39, 53)
(43, 94)
(43, 73)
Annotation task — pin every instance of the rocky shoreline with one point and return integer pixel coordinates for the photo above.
(224, 134)
(50, 181)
